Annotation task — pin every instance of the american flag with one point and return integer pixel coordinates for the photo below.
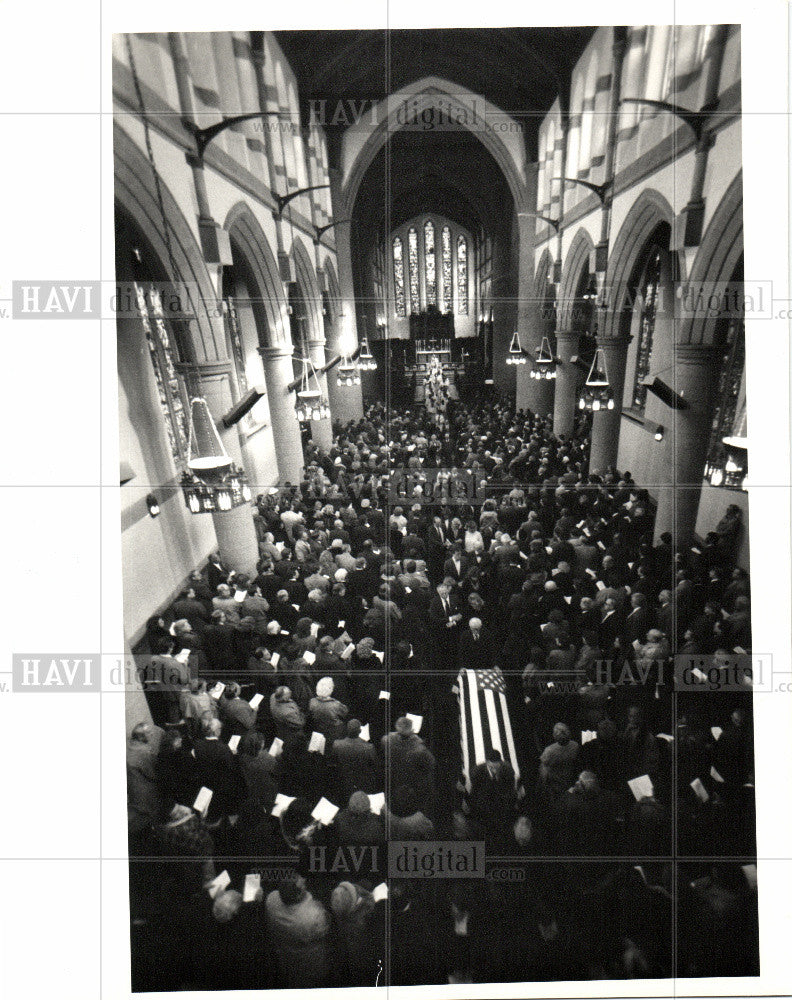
(484, 719)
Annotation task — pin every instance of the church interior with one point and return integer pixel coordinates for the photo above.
(434, 509)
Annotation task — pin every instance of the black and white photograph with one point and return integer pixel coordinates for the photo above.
(397, 500)
(435, 548)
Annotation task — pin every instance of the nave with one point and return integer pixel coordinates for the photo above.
(348, 602)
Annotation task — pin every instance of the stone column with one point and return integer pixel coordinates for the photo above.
(523, 397)
(347, 399)
(607, 423)
(532, 394)
(568, 380)
(279, 374)
(695, 380)
(321, 430)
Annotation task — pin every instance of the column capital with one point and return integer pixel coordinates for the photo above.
(567, 335)
(271, 352)
(697, 354)
(614, 343)
(204, 369)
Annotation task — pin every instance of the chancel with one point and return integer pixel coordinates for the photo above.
(440, 457)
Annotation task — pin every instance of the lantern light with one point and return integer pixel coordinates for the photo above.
(516, 355)
(366, 360)
(544, 366)
(596, 394)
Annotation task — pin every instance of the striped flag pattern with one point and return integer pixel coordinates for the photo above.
(484, 719)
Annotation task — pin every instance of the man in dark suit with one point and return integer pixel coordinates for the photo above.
(636, 624)
(435, 547)
(444, 617)
(610, 626)
(457, 566)
(218, 770)
(664, 616)
(475, 648)
(356, 762)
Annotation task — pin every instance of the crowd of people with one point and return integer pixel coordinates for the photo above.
(317, 701)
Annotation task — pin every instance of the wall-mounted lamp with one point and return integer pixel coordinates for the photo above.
(657, 430)
(153, 505)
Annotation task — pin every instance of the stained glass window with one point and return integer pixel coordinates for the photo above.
(238, 352)
(398, 276)
(164, 366)
(729, 415)
(429, 263)
(648, 316)
(412, 262)
(462, 275)
(448, 282)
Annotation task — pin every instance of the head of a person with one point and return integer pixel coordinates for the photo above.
(561, 733)
(283, 694)
(359, 803)
(210, 727)
(223, 590)
(586, 782)
(523, 831)
(365, 647)
(353, 728)
(140, 733)
(292, 890)
(324, 687)
(404, 726)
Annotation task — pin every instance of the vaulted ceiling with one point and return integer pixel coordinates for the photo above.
(450, 172)
(519, 70)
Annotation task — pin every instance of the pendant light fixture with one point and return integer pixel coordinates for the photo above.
(347, 372)
(516, 355)
(544, 366)
(311, 404)
(211, 483)
(596, 394)
(366, 360)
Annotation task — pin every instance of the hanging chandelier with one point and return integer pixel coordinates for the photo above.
(347, 372)
(596, 394)
(516, 355)
(211, 483)
(366, 360)
(729, 466)
(544, 366)
(311, 404)
(229, 491)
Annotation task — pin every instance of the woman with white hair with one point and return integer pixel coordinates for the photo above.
(327, 714)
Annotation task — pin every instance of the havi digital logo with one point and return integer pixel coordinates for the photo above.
(50, 672)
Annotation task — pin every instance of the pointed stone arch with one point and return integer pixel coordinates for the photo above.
(309, 287)
(333, 290)
(136, 196)
(364, 140)
(542, 270)
(269, 302)
(649, 210)
(718, 255)
(577, 258)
